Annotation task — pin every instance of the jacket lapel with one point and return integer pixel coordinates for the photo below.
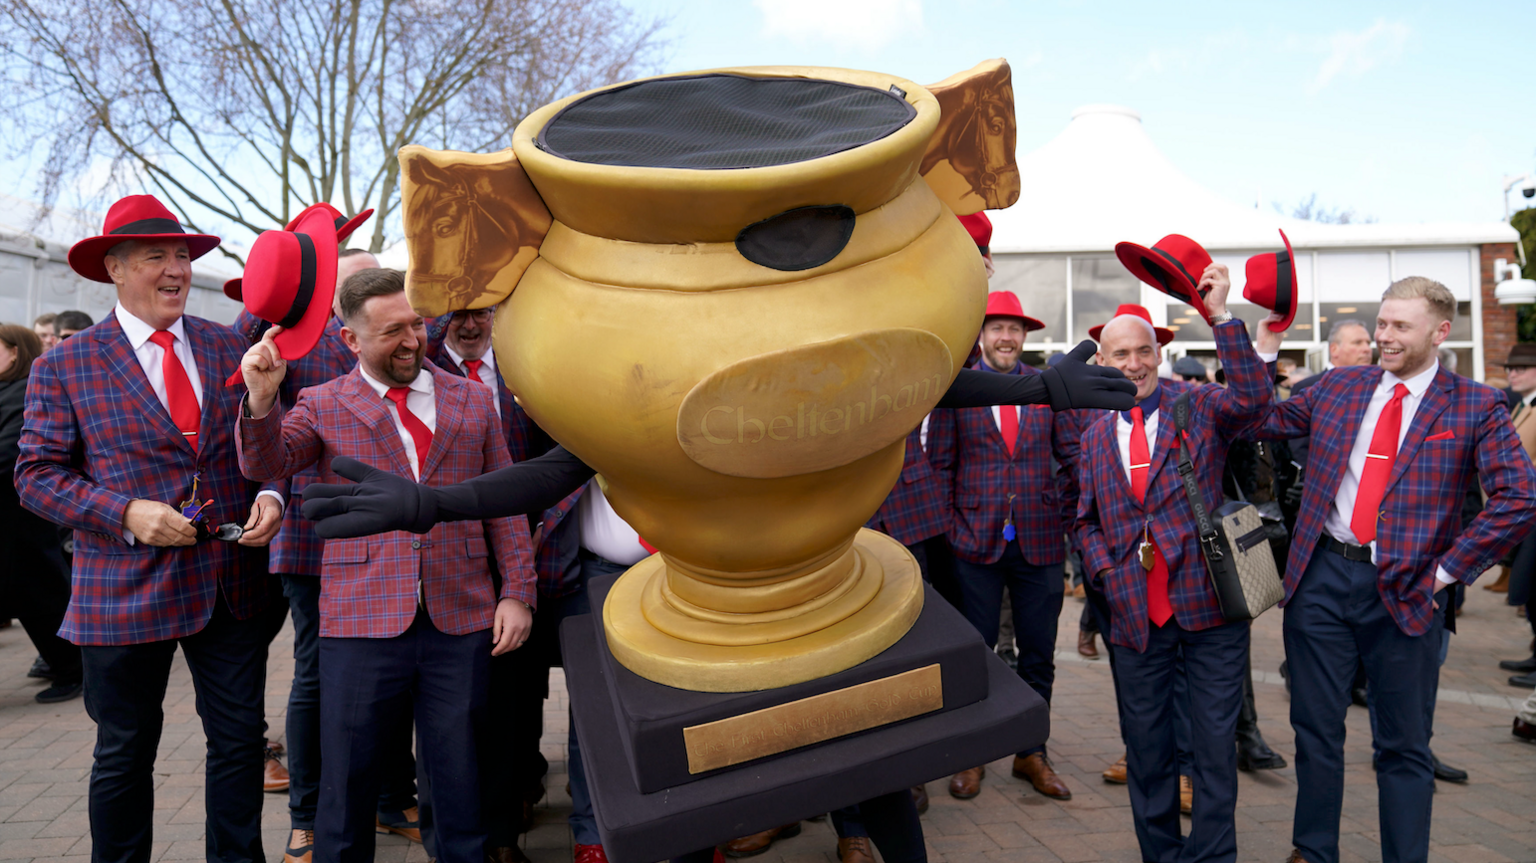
(208, 373)
(365, 404)
(1436, 399)
(126, 369)
(1163, 446)
(1356, 400)
(450, 410)
(1112, 453)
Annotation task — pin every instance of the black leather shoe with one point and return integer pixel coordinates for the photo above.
(1358, 696)
(41, 671)
(1445, 772)
(1524, 730)
(1524, 666)
(60, 691)
(1524, 681)
(1258, 757)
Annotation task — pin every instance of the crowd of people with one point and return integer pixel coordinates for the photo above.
(153, 508)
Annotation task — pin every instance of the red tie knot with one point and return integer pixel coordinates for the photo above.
(472, 368)
(163, 338)
(1400, 391)
(398, 394)
(1136, 415)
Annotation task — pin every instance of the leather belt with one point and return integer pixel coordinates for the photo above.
(1361, 553)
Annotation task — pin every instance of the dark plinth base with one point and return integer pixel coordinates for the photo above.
(719, 806)
(652, 716)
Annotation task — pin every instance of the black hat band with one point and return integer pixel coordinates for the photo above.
(1194, 283)
(1284, 283)
(306, 291)
(149, 226)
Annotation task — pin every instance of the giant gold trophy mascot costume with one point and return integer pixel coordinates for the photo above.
(733, 294)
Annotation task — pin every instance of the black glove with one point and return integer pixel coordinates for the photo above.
(382, 501)
(378, 502)
(1074, 384)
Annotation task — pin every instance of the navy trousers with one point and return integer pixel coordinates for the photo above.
(375, 686)
(124, 694)
(1215, 660)
(397, 791)
(1035, 593)
(1335, 619)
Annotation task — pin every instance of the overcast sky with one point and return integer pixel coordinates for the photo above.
(1406, 111)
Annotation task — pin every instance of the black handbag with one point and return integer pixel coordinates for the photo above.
(1234, 540)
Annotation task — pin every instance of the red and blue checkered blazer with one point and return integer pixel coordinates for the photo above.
(967, 448)
(1460, 425)
(96, 437)
(369, 584)
(919, 506)
(297, 549)
(1110, 520)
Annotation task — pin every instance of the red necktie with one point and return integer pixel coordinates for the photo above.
(1159, 609)
(1009, 419)
(180, 398)
(1378, 467)
(472, 369)
(421, 436)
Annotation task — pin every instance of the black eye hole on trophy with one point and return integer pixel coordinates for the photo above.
(797, 239)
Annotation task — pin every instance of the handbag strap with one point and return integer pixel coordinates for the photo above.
(1203, 523)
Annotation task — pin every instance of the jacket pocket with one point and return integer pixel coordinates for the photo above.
(346, 552)
(474, 546)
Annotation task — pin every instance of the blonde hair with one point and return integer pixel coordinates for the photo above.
(1441, 301)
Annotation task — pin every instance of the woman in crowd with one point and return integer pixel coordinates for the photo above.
(36, 584)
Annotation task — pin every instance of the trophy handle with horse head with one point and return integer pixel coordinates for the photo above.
(970, 159)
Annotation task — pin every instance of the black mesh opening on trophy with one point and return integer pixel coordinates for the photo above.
(715, 122)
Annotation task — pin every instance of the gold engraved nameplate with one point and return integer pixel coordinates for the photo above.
(812, 720)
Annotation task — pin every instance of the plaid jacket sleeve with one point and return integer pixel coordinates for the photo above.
(46, 477)
(279, 444)
(1242, 404)
(1510, 483)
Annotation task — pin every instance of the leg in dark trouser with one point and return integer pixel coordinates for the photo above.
(892, 823)
(303, 723)
(452, 678)
(1036, 596)
(1215, 661)
(1145, 683)
(124, 691)
(228, 661)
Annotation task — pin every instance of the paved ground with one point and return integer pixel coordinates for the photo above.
(45, 757)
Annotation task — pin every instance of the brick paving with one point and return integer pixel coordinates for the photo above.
(45, 758)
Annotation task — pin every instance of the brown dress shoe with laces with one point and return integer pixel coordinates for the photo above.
(1186, 795)
(1037, 769)
(1295, 857)
(1115, 773)
(854, 849)
(274, 776)
(1085, 646)
(301, 847)
(757, 843)
(967, 783)
(920, 798)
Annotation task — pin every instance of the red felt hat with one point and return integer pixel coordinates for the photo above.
(290, 279)
(344, 229)
(980, 228)
(1006, 304)
(1173, 265)
(1272, 284)
(1164, 336)
(136, 217)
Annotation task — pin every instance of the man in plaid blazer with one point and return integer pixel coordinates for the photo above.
(403, 617)
(126, 422)
(294, 556)
(918, 511)
(1374, 548)
(1141, 550)
(1008, 519)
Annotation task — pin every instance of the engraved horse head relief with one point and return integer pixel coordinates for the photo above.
(733, 293)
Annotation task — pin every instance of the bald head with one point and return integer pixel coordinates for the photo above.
(351, 261)
(1129, 343)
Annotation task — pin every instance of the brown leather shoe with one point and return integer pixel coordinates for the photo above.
(1079, 592)
(1085, 645)
(274, 776)
(1115, 773)
(967, 783)
(757, 843)
(1500, 584)
(506, 854)
(1295, 857)
(1037, 769)
(920, 798)
(854, 849)
(301, 847)
(1186, 795)
(407, 823)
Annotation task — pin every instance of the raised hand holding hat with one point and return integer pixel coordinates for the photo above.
(1272, 284)
(1175, 265)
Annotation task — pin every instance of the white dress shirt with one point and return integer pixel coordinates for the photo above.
(1349, 487)
(488, 374)
(421, 401)
(151, 359)
(603, 532)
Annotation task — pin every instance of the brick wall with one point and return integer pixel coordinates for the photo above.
(1499, 332)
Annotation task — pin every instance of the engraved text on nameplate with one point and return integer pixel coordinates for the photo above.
(811, 720)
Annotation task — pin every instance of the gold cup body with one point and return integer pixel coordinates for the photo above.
(745, 421)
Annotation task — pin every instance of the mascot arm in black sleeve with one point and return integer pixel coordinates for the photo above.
(379, 501)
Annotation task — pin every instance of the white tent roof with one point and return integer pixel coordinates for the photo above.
(1077, 195)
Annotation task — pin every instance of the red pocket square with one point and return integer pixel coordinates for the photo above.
(1445, 435)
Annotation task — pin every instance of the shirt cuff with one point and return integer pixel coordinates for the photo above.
(1268, 358)
(282, 505)
(1444, 577)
